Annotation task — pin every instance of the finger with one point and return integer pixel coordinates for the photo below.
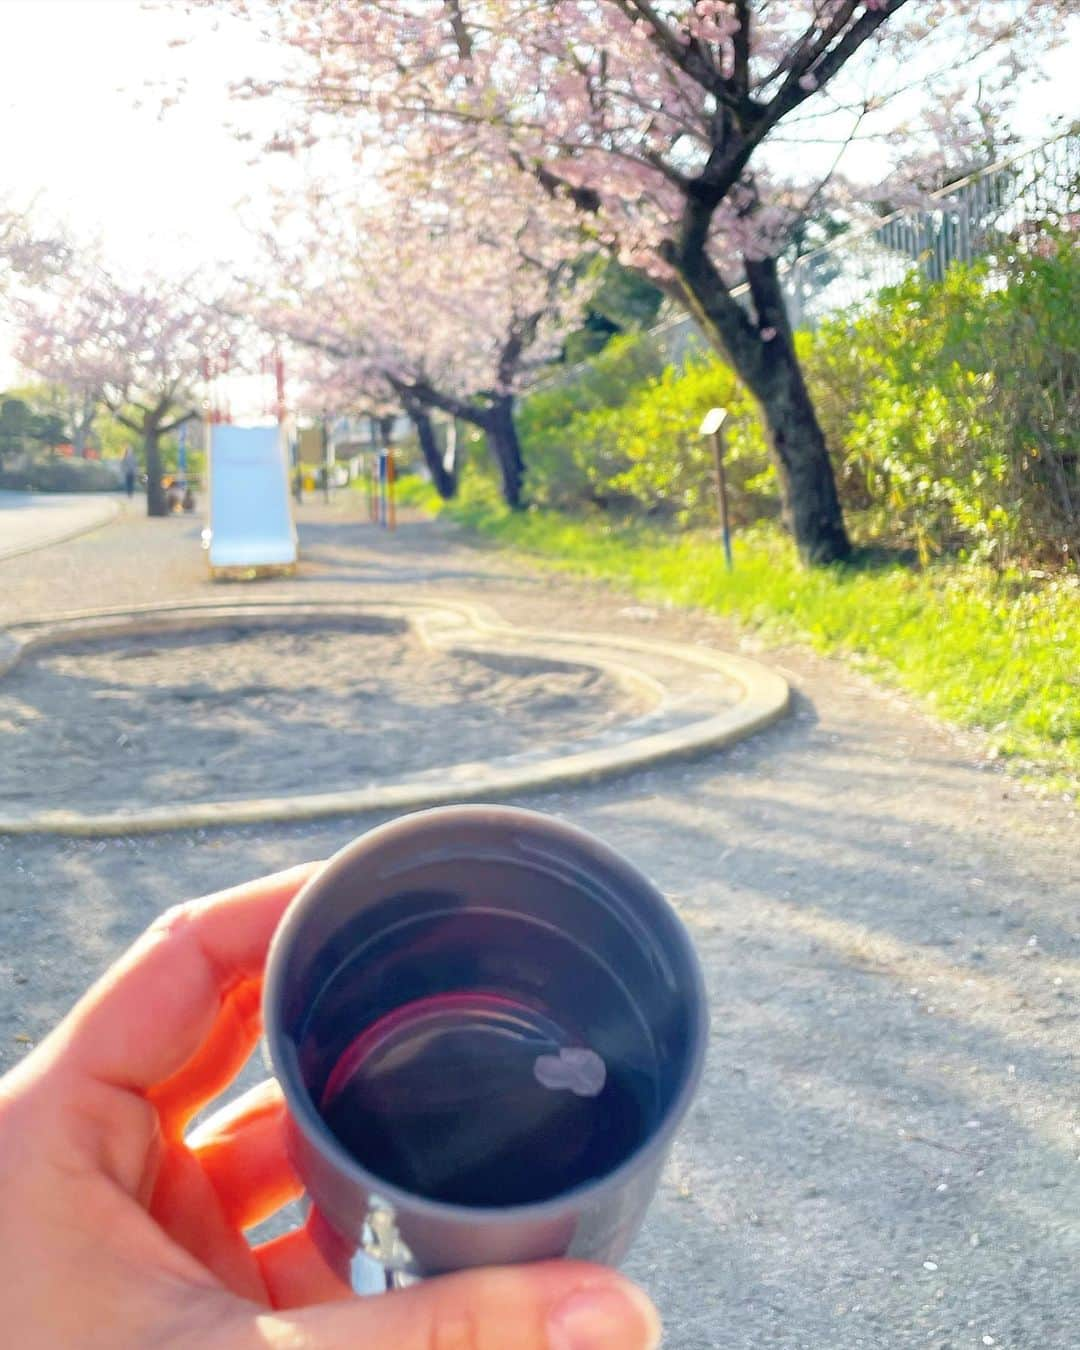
(241, 1149)
(295, 1272)
(558, 1305)
(149, 1015)
(186, 1207)
(216, 1062)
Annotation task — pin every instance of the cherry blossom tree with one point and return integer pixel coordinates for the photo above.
(427, 303)
(26, 253)
(138, 346)
(332, 382)
(682, 131)
(13, 237)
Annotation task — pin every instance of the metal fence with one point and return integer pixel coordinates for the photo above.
(976, 217)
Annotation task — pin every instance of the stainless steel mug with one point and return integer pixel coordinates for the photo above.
(487, 1026)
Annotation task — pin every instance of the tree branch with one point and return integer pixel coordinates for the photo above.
(823, 64)
(522, 335)
(803, 52)
(425, 393)
(460, 30)
(691, 57)
(584, 198)
(167, 427)
(740, 75)
(116, 407)
(730, 156)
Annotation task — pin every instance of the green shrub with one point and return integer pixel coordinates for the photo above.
(558, 456)
(411, 488)
(625, 435)
(954, 410)
(53, 474)
(651, 455)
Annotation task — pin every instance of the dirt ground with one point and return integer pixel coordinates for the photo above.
(886, 1148)
(235, 712)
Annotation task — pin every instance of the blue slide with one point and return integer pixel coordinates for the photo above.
(251, 525)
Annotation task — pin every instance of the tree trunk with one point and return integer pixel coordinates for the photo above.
(496, 421)
(453, 458)
(502, 437)
(385, 423)
(444, 477)
(83, 419)
(811, 507)
(156, 505)
(763, 355)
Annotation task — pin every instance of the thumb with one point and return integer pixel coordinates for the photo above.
(556, 1305)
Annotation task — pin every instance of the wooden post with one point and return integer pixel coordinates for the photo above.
(713, 427)
(721, 487)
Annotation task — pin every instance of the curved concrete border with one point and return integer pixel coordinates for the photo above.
(446, 624)
(104, 517)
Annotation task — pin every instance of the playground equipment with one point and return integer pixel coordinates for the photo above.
(250, 528)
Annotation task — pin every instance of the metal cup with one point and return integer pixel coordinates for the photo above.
(420, 907)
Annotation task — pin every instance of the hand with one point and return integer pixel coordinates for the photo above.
(117, 1231)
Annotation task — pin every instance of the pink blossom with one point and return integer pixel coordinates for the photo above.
(140, 343)
(464, 289)
(611, 106)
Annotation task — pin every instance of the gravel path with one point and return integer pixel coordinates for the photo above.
(887, 1148)
(31, 520)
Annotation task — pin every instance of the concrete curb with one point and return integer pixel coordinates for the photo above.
(106, 518)
(441, 623)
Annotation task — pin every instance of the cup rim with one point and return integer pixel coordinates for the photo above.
(304, 1113)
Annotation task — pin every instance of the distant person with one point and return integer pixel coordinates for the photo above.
(130, 466)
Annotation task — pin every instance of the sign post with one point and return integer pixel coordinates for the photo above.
(328, 458)
(712, 427)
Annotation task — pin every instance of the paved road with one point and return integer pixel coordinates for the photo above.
(31, 520)
(886, 1152)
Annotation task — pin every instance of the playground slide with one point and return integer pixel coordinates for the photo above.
(251, 524)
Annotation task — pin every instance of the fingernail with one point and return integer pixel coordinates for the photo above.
(604, 1319)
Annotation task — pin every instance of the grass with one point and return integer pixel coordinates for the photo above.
(999, 654)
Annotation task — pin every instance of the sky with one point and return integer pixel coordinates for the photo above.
(159, 192)
(72, 76)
